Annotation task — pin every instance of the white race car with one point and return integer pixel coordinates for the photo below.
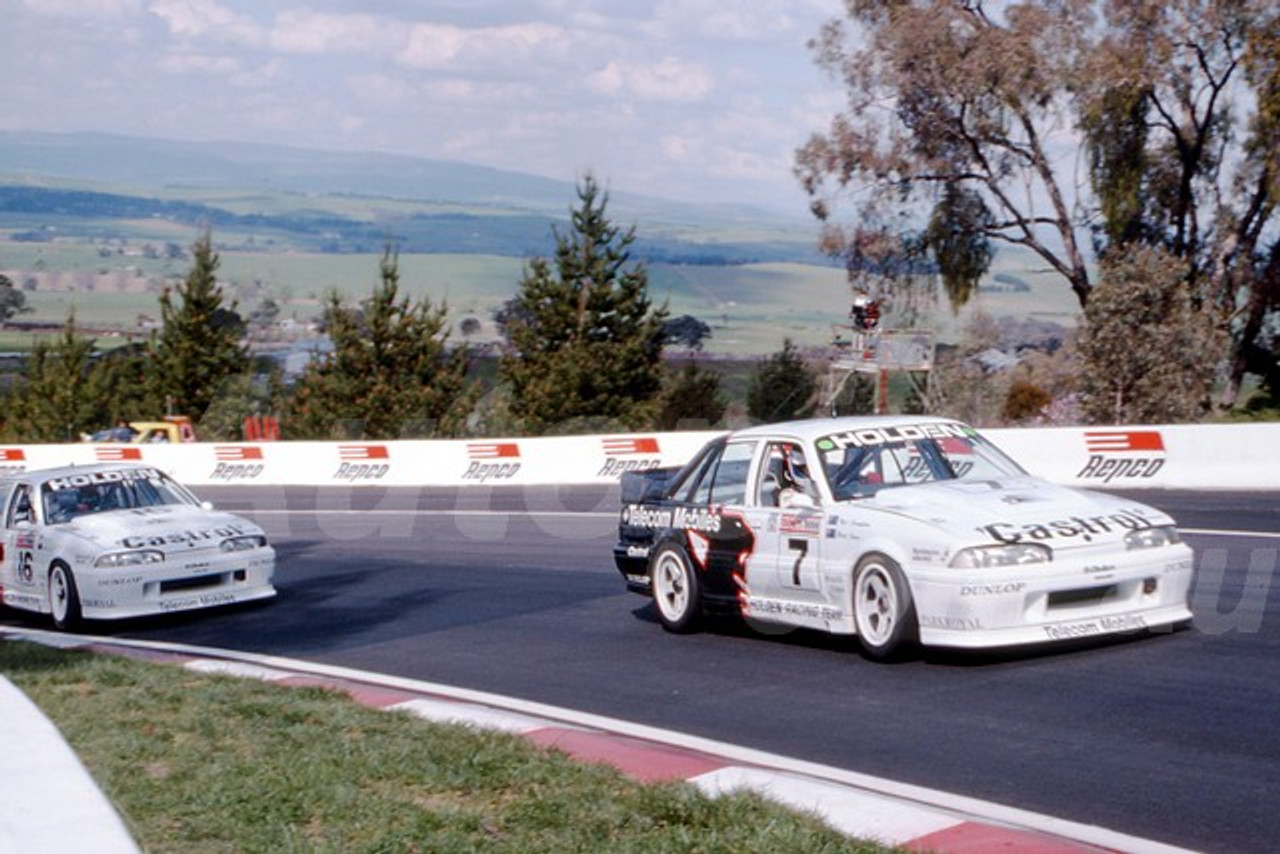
(895, 530)
(111, 541)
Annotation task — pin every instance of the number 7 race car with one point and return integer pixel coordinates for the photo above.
(896, 530)
(110, 541)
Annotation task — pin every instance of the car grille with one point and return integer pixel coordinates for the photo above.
(1082, 596)
(197, 582)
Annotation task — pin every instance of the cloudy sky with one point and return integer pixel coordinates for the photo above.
(696, 100)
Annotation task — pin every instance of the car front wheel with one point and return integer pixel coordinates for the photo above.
(64, 598)
(676, 590)
(883, 611)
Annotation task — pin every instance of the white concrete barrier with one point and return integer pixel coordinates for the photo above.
(1216, 456)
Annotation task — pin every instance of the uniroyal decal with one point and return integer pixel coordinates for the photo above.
(361, 462)
(629, 454)
(116, 453)
(492, 461)
(237, 462)
(1124, 454)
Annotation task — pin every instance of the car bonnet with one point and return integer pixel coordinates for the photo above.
(1012, 510)
(169, 528)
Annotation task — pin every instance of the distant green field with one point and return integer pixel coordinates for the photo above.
(751, 308)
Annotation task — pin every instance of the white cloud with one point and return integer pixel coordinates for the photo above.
(97, 9)
(669, 79)
(301, 31)
(658, 96)
(760, 21)
(445, 46)
(191, 19)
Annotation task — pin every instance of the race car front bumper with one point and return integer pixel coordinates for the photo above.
(1067, 599)
(198, 582)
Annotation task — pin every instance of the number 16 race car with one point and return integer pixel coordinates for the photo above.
(896, 530)
(110, 541)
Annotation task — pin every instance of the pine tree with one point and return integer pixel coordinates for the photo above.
(53, 404)
(690, 399)
(781, 387)
(198, 347)
(585, 344)
(391, 373)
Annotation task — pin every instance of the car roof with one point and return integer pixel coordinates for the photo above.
(42, 475)
(811, 429)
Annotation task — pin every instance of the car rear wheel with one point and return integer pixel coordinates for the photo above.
(64, 598)
(883, 611)
(676, 590)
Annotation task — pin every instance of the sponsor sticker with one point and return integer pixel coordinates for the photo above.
(683, 518)
(796, 523)
(91, 478)
(872, 436)
(362, 462)
(1122, 455)
(1083, 527)
(627, 454)
(237, 462)
(1100, 626)
(492, 461)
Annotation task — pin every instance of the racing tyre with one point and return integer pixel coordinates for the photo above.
(64, 598)
(883, 611)
(676, 590)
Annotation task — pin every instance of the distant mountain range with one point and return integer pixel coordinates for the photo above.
(440, 206)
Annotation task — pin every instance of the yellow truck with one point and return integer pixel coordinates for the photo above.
(174, 428)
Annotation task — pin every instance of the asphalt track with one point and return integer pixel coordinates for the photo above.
(1169, 736)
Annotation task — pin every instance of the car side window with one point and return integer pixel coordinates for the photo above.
(783, 467)
(20, 509)
(700, 478)
(722, 479)
(730, 483)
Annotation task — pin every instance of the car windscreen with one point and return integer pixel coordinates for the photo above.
(859, 470)
(67, 498)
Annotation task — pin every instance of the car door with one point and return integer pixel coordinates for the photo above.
(713, 516)
(19, 576)
(789, 527)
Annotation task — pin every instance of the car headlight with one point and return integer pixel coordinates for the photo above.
(244, 544)
(1013, 554)
(133, 558)
(1152, 538)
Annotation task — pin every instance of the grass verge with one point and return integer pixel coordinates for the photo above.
(206, 763)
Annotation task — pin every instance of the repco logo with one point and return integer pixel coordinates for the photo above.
(1124, 454)
(12, 461)
(492, 461)
(362, 462)
(235, 462)
(624, 455)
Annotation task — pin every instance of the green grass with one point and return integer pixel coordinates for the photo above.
(203, 763)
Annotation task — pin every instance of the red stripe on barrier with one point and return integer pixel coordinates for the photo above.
(1124, 440)
(639, 445)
